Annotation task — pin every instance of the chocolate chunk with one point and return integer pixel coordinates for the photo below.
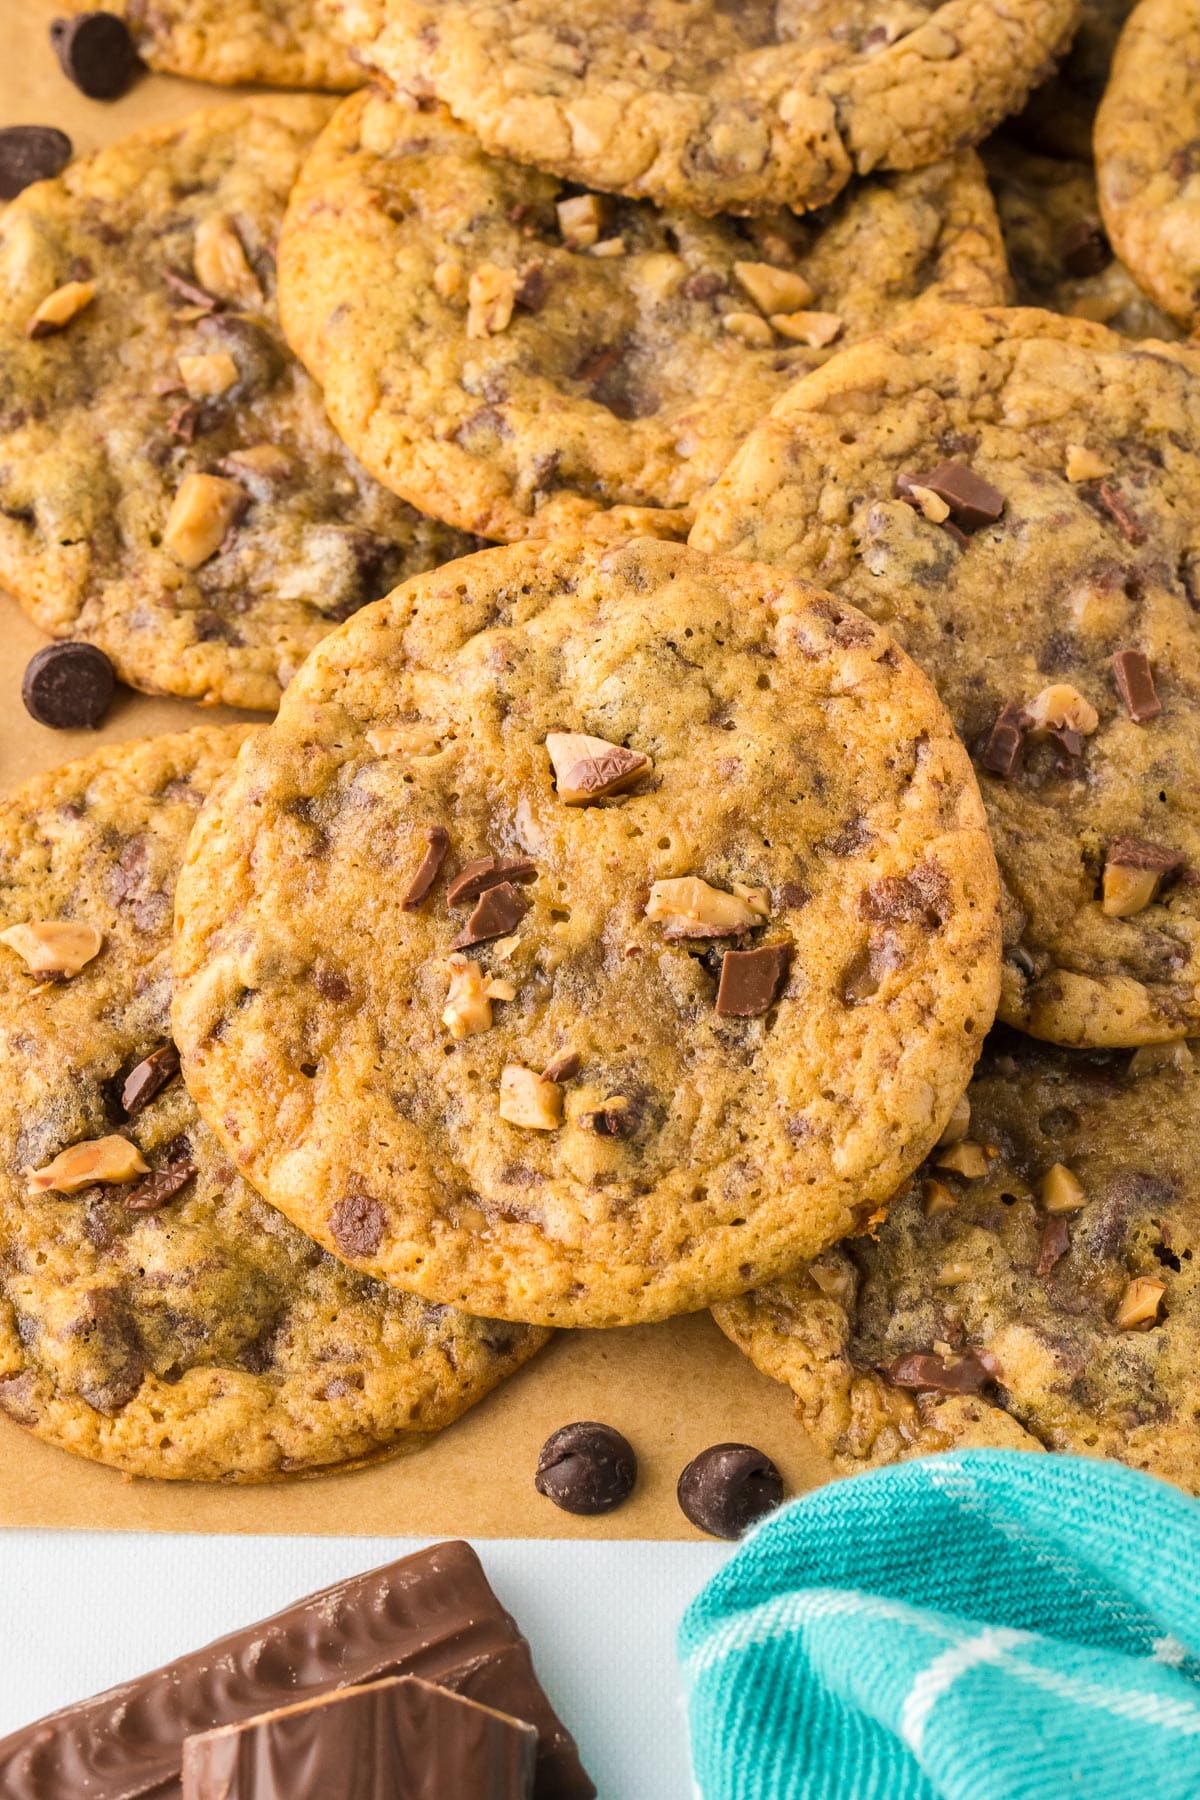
(1134, 676)
(751, 980)
(1055, 1242)
(618, 1118)
(564, 1067)
(1084, 250)
(190, 291)
(532, 288)
(68, 687)
(1131, 528)
(728, 1488)
(148, 1078)
(586, 1468)
(30, 153)
(438, 839)
(973, 502)
(1002, 752)
(357, 1223)
(1137, 853)
(966, 1375)
(474, 878)
(399, 1737)
(432, 1615)
(96, 52)
(499, 911)
(921, 898)
(163, 1183)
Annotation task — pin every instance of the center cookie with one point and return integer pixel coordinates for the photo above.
(594, 932)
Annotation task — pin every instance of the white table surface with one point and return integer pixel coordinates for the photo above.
(82, 1610)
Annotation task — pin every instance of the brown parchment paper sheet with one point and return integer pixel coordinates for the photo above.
(673, 1389)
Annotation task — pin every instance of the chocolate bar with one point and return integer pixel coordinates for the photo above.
(432, 1615)
(400, 1739)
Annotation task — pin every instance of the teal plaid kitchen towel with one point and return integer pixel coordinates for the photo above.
(985, 1625)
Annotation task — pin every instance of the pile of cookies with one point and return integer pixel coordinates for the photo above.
(723, 555)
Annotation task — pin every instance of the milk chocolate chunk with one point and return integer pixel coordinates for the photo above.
(474, 878)
(973, 502)
(1055, 1242)
(1134, 676)
(96, 52)
(437, 843)
(751, 980)
(68, 686)
(728, 1488)
(498, 911)
(432, 1615)
(1115, 505)
(397, 1739)
(148, 1078)
(586, 1468)
(967, 1374)
(30, 153)
(1002, 752)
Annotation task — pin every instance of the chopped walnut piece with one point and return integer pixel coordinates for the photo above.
(54, 949)
(958, 1124)
(1139, 1305)
(931, 506)
(816, 329)
(613, 246)
(528, 1099)
(60, 307)
(219, 261)
(1134, 871)
(261, 464)
(835, 1284)
(590, 768)
(204, 508)
(205, 377)
(581, 220)
(690, 908)
(468, 1008)
(773, 290)
(1061, 1191)
(491, 296)
(749, 328)
(965, 1158)
(938, 1198)
(1061, 707)
(758, 899)
(84, 1165)
(1084, 465)
(448, 279)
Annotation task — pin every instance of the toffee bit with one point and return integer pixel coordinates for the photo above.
(106, 1159)
(1134, 873)
(438, 843)
(54, 949)
(591, 768)
(691, 908)
(1133, 674)
(528, 1099)
(474, 878)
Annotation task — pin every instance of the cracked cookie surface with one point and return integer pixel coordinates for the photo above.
(712, 106)
(282, 43)
(515, 357)
(170, 488)
(585, 907)
(1083, 552)
(978, 1315)
(1148, 153)
(170, 1323)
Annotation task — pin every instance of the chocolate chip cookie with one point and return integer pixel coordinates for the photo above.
(155, 1314)
(713, 106)
(1148, 153)
(515, 356)
(282, 43)
(1038, 1287)
(597, 928)
(170, 488)
(1018, 499)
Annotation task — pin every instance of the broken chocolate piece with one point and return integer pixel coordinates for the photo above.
(586, 1468)
(190, 291)
(148, 1078)
(438, 840)
(1134, 873)
(973, 502)
(967, 1374)
(1134, 676)
(617, 1118)
(751, 980)
(68, 686)
(96, 52)
(728, 1488)
(564, 1067)
(30, 153)
(1131, 528)
(390, 1738)
(498, 911)
(357, 1223)
(474, 878)
(1055, 1242)
(163, 1183)
(1084, 249)
(1002, 752)
(590, 768)
(432, 1615)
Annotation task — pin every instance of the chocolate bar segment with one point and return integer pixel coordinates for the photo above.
(401, 1739)
(432, 1615)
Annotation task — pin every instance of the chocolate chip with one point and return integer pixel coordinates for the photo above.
(357, 1224)
(499, 911)
(1083, 249)
(1134, 676)
(1137, 853)
(161, 1184)
(1055, 1242)
(564, 1067)
(1131, 529)
(1002, 752)
(68, 687)
(618, 1117)
(966, 1375)
(920, 898)
(190, 291)
(751, 980)
(438, 840)
(30, 153)
(586, 1468)
(474, 878)
(96, 52)
(728, 1488)
(148, 1078)
(973, 502)
(532, 288)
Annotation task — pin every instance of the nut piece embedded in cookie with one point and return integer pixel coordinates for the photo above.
(691, 908)
(590, 768)
(528, 1099)
(1134, 872)
(965, 1158)
(816, 329)
(491, 296)
(204, 508)
(207, 376)
(60, 307)
(220, 263)
(1061, 707)
(84, 1165)
(1139, 1305)
(54, 948)
(468, 1007)
(1061, 1191)
(581, 220)
(773, 290)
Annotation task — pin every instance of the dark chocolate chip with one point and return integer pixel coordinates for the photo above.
(474, 878)
(68, 687)
(617, 1117)
(161, 1184)
(1134, 676)
(438, 842)
(96, 52)
(499, 911)
(728, 1488)
(586, 1468)
(973, 502)
(1002, 752)
(564, 1067)
(1055, 1242)
(1137, 853)
(966, 1375)
(148, 1078)
(1083, 249)
(357, 1224)
(751, 980)
(30, 153)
